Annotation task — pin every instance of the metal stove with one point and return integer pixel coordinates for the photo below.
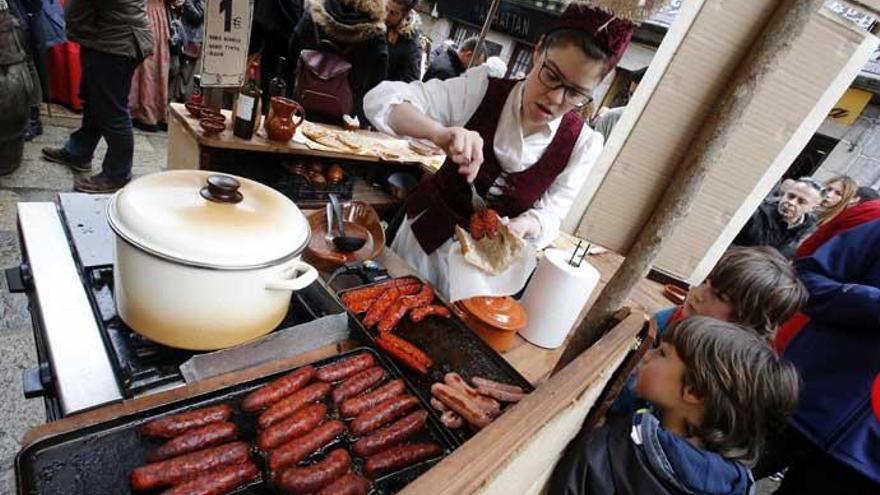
(87, 356)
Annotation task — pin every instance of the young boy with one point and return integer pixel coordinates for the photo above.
(719, 391)
(753, 286)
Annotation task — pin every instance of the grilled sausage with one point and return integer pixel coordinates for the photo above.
(377, 290)
(298, 424)
(392, 434)
(193, 440)
(451, 420)
(358, 383)
(348, 484)
(378, 309)
(436, 404)
(477, 226)
(272, 392)
(183, 468)
(423, 298)
(315, 477)
(383, 413)
(490, 223)
(404, 352)
(488, 404)
(356, 405)
(218, 481)
(345, 368)
(293, 403)
(461, 404)
(498, 390)
(171, 426)
(400, 457)
(299, 448)
(359, 307)
(420, 313)
(392, 317)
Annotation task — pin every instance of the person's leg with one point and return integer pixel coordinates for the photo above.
(77, 150)
(111, 112)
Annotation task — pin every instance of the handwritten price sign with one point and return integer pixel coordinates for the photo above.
(227, 34)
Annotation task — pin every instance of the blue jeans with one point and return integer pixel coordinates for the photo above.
(104, 88)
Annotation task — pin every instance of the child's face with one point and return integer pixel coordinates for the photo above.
(661, 377)
(703, 301)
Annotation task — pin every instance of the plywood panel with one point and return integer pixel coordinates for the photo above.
(778, 123)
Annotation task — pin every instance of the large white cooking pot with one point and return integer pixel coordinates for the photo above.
(205, 261)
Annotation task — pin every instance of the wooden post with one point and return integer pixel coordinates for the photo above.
(493, 8)
(771, 46)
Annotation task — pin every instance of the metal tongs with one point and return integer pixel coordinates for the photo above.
(576, 259)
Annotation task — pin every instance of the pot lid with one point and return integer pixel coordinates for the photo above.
(500, 312)
(208, 219)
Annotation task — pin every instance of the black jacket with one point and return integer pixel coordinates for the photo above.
(766, 227)
(445, 66)
(404, 50)
(357, 27)
(634, 455)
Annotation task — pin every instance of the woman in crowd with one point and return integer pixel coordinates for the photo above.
(838, 194)
(186, 47)
(522, 144)
(148, 98)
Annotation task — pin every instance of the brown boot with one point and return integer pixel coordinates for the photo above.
(97, 184)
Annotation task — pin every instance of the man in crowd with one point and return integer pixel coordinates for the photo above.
(115, 38)
(784, 224)
(608, 117)
(452, 63)
(404, 41)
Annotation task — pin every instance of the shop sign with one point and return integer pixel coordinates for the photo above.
(225, 45)
(519, 21)
(850, 106)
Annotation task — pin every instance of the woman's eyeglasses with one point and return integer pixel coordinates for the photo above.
(550, 78)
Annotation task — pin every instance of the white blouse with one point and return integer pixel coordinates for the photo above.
(454, 101)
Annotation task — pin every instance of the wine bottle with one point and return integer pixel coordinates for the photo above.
(277, 85)
(247, 105)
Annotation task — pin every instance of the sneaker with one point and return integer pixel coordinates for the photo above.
(97, 184)
(60, 155)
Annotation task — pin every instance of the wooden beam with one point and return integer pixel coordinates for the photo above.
(770, 48)
(503, 447)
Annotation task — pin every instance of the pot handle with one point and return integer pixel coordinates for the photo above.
(306, 274)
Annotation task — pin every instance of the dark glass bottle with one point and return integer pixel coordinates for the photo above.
(277, 85)
(247, 106)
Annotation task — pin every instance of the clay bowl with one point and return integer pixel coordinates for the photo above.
(361, 220)
(495, 319)
(675, 294)
(194, 109)
(213, 114)
(211, 126)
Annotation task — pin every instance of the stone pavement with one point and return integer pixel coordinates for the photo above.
(38, 180)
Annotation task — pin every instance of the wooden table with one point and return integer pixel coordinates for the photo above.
(187, 144)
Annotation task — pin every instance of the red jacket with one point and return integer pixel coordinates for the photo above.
(847, 219)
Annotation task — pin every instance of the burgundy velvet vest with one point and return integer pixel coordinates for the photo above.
(444, 200)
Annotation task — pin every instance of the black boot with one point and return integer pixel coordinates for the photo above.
(35, 125)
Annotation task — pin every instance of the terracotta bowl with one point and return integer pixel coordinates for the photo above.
(211, 126)
(194, 109)
(495, 319)
(675, 293)
(214, 114)
(361, 220)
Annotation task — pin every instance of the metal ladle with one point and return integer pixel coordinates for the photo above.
(344, 243)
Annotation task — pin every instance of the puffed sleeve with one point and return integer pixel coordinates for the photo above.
(557, 200)
(451, 102)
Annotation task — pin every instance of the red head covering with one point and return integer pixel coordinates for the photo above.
(611, 22)
(611, 32)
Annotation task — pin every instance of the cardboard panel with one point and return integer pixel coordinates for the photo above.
(683, 84)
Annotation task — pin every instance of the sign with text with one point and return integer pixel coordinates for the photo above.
(225, 45)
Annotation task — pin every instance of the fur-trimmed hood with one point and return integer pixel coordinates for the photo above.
(349, 21)
(411, 26)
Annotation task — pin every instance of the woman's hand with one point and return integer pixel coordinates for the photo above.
(525, 227)
(463, 147)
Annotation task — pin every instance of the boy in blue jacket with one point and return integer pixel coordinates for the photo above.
(719, 390)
